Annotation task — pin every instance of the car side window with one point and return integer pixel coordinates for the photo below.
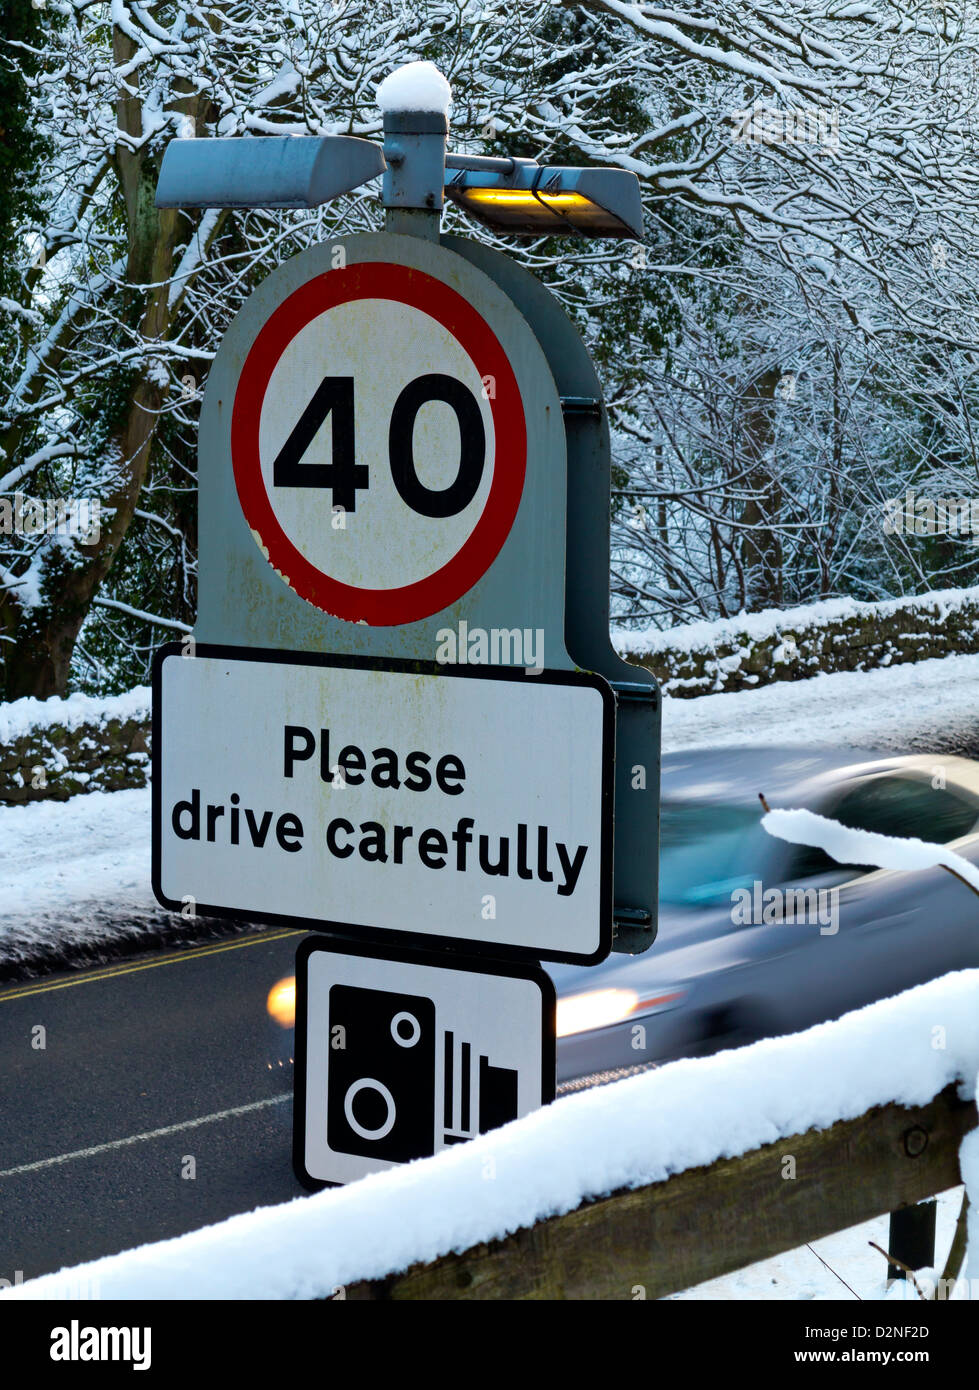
(893, 805)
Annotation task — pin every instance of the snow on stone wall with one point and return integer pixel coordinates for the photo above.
(53, 749)
(794, 643)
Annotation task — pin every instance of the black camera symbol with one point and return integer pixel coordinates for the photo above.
(381, 1099)
(381, 1083)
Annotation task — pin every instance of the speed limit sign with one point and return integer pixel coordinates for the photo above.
(379, 443)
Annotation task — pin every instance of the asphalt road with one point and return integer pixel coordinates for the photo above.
(147, 1064)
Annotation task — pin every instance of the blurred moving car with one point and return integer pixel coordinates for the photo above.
(732, 961)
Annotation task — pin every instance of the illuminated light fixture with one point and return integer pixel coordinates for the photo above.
(600, 1008)
(515, 196)
(522, 198)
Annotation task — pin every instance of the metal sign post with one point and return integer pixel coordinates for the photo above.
(400, 719)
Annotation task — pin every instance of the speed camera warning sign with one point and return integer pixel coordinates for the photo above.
(379, 443)
(402, 1054)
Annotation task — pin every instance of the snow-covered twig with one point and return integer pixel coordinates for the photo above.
(137, 613)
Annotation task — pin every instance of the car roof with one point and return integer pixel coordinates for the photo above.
(739, 774)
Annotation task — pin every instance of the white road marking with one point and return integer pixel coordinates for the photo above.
(143, 1138)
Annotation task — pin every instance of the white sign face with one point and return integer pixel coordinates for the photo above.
(378, 348)
(398, 1058)
(475, 808)
(379, 443)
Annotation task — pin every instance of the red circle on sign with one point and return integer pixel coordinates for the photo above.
(411, 602)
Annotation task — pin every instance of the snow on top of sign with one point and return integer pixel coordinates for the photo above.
(637, 1131)
(848, 846)
(414, 87)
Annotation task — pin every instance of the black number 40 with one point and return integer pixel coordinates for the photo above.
(345, 477)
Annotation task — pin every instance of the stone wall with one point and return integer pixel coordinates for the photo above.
(793, 644)
(54, 749)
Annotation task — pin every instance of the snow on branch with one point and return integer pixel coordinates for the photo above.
(10, 306)
(10, 480)
(137, 613)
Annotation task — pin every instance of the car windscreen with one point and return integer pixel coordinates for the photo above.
(707, 850)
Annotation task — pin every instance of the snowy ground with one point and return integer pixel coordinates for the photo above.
(927, 706)
(75, 870)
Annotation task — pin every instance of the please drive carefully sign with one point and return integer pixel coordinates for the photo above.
(386, 798)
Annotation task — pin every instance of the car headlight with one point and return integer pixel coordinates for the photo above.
(281, 1002)
(600, 1008)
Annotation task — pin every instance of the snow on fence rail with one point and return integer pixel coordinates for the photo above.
(659, 1181)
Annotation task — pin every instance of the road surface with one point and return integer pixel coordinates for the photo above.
(160, 1102)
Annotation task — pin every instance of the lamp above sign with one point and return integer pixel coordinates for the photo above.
(515, 196)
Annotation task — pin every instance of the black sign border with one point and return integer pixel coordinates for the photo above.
(441, 960)
(355, 931)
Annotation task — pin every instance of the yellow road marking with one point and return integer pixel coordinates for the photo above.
(94, 976)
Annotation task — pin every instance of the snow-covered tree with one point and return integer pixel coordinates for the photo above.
(810, 174)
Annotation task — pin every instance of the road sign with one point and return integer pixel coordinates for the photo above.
(416, 433)
(396, 422)
(403, 446)
(403, 1055)
(386, 799)
(379, 443)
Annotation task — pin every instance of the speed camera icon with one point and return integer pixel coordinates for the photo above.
(398, 1057)
(382, 1099)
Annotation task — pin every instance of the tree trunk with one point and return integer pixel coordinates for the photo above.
(761, 545)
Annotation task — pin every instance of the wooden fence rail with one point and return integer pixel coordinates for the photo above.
(704, 1222)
